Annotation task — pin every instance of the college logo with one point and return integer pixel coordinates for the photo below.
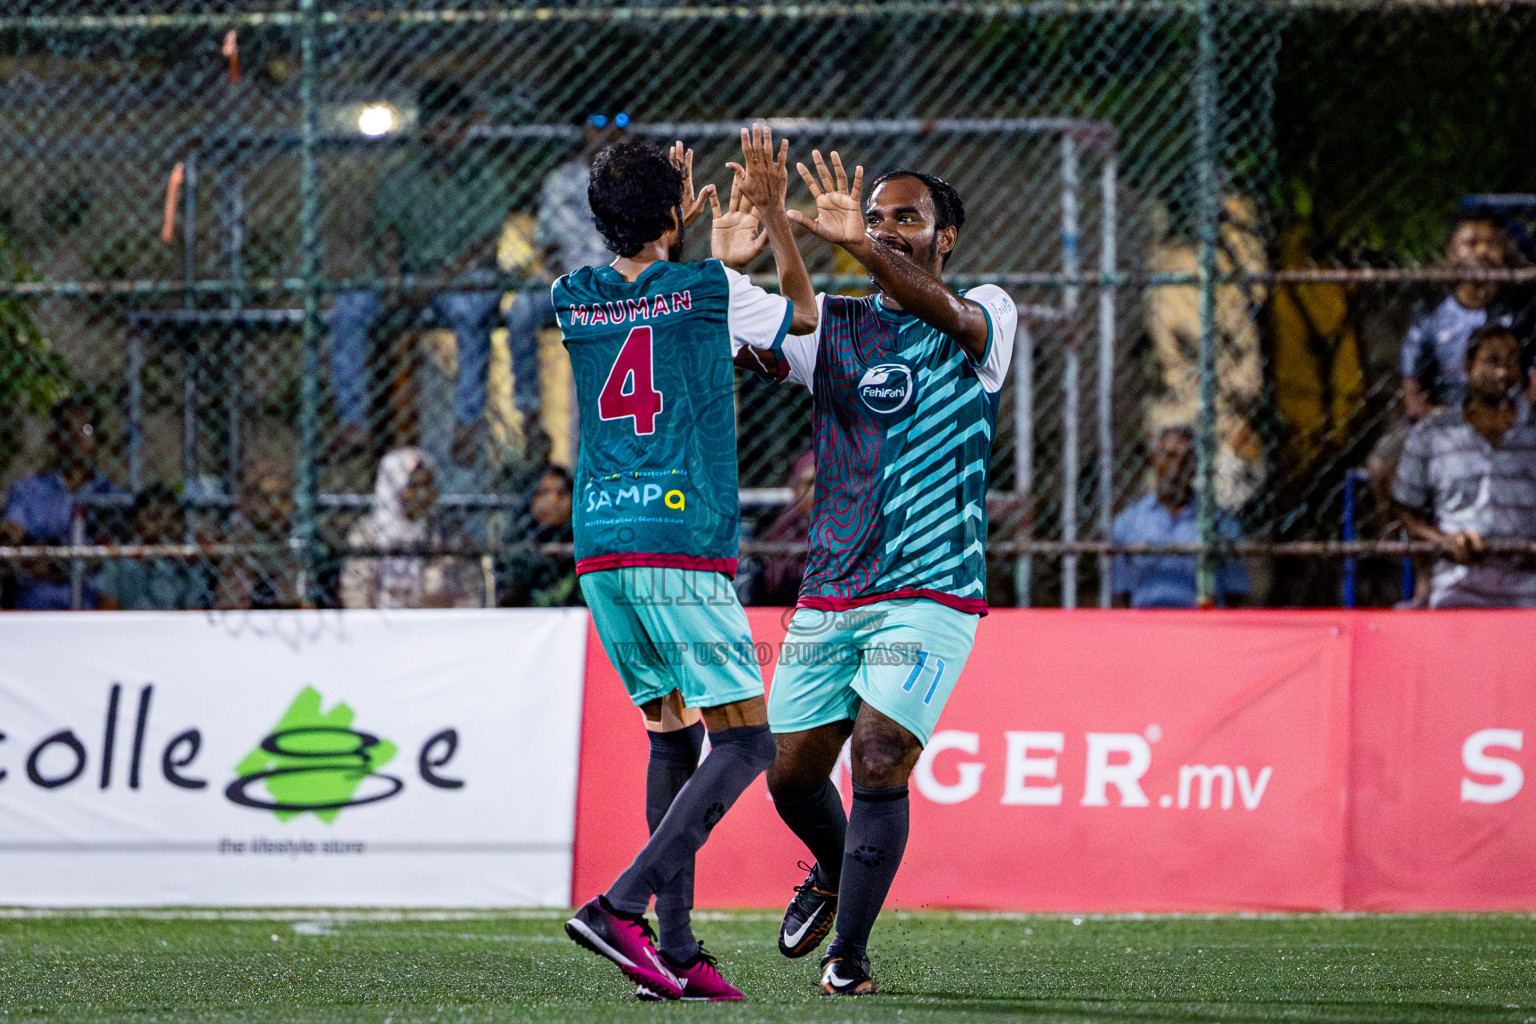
(314, 761)
(887, 388)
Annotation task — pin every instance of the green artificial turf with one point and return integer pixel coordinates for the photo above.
(413, 966)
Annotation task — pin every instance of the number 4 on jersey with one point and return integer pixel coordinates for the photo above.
(632, 370)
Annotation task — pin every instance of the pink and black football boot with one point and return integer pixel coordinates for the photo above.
(628, 942)
(699, 977)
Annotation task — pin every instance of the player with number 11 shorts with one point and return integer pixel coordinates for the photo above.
(904, 387)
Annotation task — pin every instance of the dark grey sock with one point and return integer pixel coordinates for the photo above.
(877, 837)
(820, 823)
(674, 756)
(736, 757)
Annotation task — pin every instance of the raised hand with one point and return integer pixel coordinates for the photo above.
(839, 204)
(736, 236)
(692, 204)
(760, 186)
(762, 178)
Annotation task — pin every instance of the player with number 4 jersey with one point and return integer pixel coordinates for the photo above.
(653, 342)
(656, 473)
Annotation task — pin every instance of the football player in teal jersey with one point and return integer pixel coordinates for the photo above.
(904, 386)
(652, 343)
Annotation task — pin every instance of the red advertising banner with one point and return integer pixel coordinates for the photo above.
(1098, 761)
(1444, 717)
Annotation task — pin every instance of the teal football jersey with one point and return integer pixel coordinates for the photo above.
(655, 477)
(901, 424)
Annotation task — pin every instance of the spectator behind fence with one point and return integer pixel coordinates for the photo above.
(781, 574)
(263, 516)
(402, 523)
(440, 212)
(1435, 348)
(531, 579)
(156, 584)
(1433, 363)
(1468, 475)
(1166, 515)
(53, 507)
(567, 233)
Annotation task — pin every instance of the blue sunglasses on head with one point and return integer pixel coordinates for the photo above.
(601, 120)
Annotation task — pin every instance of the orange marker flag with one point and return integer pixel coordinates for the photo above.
(172, 194)
(231, 51)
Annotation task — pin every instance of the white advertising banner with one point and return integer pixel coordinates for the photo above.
(322, 758)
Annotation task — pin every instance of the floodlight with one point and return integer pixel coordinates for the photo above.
(376, 119)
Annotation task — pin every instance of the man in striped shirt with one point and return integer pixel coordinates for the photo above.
(1468, 475)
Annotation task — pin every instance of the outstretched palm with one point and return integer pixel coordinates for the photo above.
(692, 204)
(735, 236)
(761, 177)
(839, 204)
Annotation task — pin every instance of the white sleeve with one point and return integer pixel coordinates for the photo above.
(1002, 323)
(755, 317)
(798, 351)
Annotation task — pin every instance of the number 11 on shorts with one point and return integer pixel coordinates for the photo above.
(630, 390)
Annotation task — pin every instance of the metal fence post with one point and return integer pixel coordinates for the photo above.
(305, 531)
(1208, 212)
(1024, 453)
(1352, 479)
(1108, 256)
(1071, 384)
(236, 348)
(189, 343)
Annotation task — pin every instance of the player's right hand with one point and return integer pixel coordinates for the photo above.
(1467, 546)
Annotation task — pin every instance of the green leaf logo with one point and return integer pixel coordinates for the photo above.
(314, 762)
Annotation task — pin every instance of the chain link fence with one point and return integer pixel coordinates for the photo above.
(256, 246)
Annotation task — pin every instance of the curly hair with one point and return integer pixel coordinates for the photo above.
(633, 191)
(948, 209)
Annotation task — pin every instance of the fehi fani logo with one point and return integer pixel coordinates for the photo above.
(887, 388)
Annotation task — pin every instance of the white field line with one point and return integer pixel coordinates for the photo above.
(1235, 915)
(410, 914)
(281, 914)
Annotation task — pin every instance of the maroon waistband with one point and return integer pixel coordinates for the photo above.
(969, 605)
(629, 559)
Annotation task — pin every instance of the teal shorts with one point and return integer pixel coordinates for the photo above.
(902, 656)
(674, 629)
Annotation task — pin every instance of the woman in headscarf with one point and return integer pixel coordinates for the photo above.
(401, 523)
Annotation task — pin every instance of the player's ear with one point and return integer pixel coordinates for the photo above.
(947, 239)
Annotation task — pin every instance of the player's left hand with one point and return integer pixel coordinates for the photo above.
(839, 203)
(736, 236)
(692, 204)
